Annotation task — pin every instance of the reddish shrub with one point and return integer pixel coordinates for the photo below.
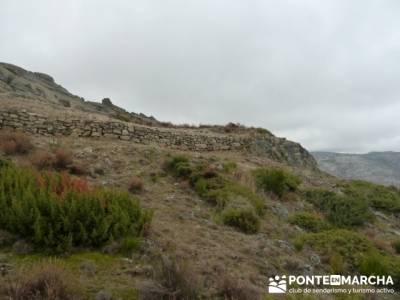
(136, 184)
(62, 184)
(78, 169)
(9, 147)
(67, 183)
(42, 160)
(63, 159)
(15, 143)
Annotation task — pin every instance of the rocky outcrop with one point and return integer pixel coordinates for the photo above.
(18, 83)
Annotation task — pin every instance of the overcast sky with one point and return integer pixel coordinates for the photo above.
(323, 73)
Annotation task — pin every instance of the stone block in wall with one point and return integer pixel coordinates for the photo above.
(236, 145)
(86, 133)
(124, 137)
(13, 124)
(96, 134)
(76, 132)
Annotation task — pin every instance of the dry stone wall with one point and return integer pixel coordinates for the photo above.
(275, 148)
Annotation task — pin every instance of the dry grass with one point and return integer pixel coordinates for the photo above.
(233, 289)
(61, 160)
(48, 280)
(173, 280)
(15, 143)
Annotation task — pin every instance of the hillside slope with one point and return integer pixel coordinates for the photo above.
(377, 167)
(98, 206)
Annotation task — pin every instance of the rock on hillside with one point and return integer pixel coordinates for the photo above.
(377, 167)
(22, 85)
(58, 112)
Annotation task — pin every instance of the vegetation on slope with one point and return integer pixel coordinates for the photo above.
(349, 252)
(54, 211)
(333, 224)
(237, 205)
(386, 199)
(341, 210)
(276, 181)
(309, 222)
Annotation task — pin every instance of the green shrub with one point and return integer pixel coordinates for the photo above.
(337, 264)
(378, 196)
(309, 222)
(219, 190)
(341, 210)
(347, 212)
(318, 197)
(179, 166)
(237, 190)
(276, 181)
(229, 166)
(212, 190)
(355, 251)
(373, 263)
(56, 212)
(376, 263)
(243, 219)
(129, 244)
(342, 242)
(394, 270)
(263, 131)
(396, 246)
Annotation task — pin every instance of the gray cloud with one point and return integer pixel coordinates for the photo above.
(324, 73)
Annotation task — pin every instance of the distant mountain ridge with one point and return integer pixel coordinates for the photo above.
(377, 167)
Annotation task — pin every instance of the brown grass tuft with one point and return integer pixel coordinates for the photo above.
(210, 172)
(136, 184)
(233, 289)
(172, 280)
(15, 143)
(48, 280)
